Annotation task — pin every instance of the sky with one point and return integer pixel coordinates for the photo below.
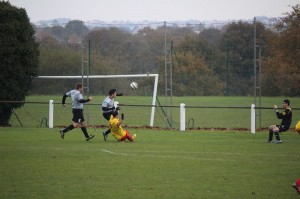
(153, 10)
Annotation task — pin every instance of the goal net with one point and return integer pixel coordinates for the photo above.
(137, 105)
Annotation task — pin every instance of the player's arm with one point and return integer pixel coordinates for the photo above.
(279, 115)
(63, 101)
(119, 122)
(283, 114)
(85, 100)
(107, 109)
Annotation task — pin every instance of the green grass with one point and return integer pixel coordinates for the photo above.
(31, 115)
(36, 163)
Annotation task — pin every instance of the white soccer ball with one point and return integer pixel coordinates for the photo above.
(134, 85)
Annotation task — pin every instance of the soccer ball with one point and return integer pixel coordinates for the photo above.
(134, 85)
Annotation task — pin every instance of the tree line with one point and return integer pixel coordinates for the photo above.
(210, 62)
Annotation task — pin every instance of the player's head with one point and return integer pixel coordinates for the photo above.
(79, 87)
(286, 103)
(112, 92)
(114, 113)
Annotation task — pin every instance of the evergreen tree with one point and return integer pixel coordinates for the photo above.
(18, 58)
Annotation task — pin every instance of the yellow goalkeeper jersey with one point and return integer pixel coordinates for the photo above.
(116, 130)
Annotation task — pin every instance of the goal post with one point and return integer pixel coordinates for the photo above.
(154, 95)
(253, 119)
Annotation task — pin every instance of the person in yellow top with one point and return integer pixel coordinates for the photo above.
(116, 129)
(297, 128)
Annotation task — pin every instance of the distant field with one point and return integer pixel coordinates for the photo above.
(31, 115)
(36, 163)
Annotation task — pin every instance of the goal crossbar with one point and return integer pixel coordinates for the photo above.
(115, 76)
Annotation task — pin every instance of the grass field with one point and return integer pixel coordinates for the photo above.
(36, 163)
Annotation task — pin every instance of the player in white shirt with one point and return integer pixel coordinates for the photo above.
(77, 109)
(108, 108)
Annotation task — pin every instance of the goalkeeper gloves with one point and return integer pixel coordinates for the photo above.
(115, 108)
(275, 107)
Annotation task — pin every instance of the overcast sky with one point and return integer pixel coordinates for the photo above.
(158, 10)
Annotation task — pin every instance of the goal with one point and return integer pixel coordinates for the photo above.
(100, 84)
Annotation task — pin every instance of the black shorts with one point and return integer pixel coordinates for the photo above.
(78, 115)
(282, 128)
(107, 115)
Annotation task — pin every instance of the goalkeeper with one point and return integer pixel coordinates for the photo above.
(286, 119)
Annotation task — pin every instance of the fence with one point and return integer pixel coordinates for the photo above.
(36, 114)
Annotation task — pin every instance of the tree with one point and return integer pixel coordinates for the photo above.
(191, 76)
(212, 36)
(18, 58)
(58, 32)
(237, 43)
(77, 28)
(56, 58)
(191, 72)
(283, 68)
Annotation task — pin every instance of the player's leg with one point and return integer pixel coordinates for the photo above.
(129, 137)
(81, 123)
(281, 128)
(84, 130)
(296, 185)
(79, 120)
(271, 133)
(276, 131)
(69, 128)
(105, 134)
(123, 138)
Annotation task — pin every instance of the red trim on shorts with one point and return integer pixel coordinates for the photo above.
(127, 136)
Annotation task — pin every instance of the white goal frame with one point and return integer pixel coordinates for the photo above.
(110, 76)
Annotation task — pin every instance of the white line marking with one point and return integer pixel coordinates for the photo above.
(173, 154)
(107, 151)
(189, 158)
